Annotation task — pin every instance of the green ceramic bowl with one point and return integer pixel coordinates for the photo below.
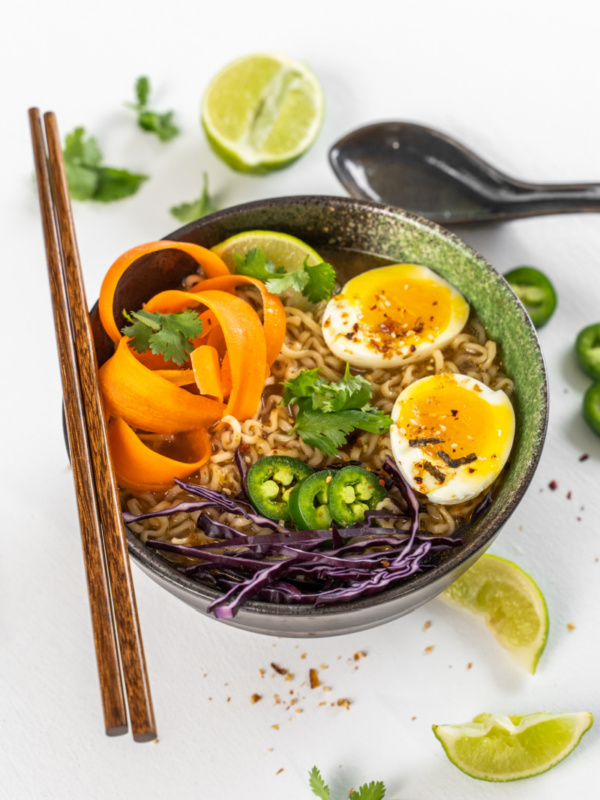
(328, 223)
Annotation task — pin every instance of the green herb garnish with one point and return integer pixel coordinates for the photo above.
(151, 121)
(328, 412)
(368, 791)
(88, 178)
(167, 335)
(314, 281)
(188, 212)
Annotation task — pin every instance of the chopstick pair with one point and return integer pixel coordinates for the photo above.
(108, 571)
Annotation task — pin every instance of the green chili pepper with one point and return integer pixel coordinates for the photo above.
(352, 492)
(591, 407)
(308, 502)
(270, 482)
(587, 349)
(535, 291)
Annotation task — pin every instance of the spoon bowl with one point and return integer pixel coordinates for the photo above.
(426, 172)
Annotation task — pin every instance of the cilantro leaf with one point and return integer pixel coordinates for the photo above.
(370, 791)
(87, 178)
(314, 281)
(352, 392)
(328, 432)
(151, 121)
(255, 265)
(318, 785)
(321, 280)
(188, 212)
(164, 334)
(303, 385)
(328, 412)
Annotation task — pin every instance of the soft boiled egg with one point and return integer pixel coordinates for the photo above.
(391, 316)
(451, 436)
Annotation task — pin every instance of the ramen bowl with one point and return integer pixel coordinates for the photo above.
(354, 230)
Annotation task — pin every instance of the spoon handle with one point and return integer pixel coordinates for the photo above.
(557, 198)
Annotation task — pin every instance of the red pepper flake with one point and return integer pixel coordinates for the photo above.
(553, 485)
(314, 678)
(255, 698)
(454, 411)
(569, 495)
(244, 446)
(412, 348)
(584, 457)
(278, 669)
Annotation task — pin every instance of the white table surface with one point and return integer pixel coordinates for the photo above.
(518, 83)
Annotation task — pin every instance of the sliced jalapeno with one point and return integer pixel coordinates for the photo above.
(535, 291)
(352, 492)
(591, 407)
(308, 502)
(270, 482)
(587, 349)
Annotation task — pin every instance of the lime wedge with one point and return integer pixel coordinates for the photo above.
(510, 603)
(284, 250)
(262, 112)
(499, 748)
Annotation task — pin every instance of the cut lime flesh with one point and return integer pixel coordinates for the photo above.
(262, 112)
(510, 603)
(501, 748)
(281, 248)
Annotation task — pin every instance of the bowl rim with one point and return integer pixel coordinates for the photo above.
(491, 524)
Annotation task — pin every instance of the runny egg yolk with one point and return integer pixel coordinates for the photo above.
(451, 436)
(391, 316)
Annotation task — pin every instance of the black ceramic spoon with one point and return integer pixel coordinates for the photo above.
(428, 173)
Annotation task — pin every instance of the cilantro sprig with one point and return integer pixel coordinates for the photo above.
(88, 178)
(368, 791)
(151, 121)
(167, 335)
(329, 412)
(188, 212)
(314, 281)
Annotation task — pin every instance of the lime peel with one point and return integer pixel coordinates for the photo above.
(510, 603)
(507, 748)
(281, 248)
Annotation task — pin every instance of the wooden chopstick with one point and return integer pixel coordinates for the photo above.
(104, 543)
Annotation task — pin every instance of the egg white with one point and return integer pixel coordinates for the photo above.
(352, 338)
(490, 446)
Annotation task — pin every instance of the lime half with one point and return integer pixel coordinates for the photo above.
(499, 748)
(510, 603)
(262, 112)
(284, 250)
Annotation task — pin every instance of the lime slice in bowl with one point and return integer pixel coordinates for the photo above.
(262, 112)
(510, 603)
(280, 248)
(499, 748)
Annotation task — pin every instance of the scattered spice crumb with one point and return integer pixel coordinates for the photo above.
(323, 703)
(343, 701)
(279, 771)
(278, 669)
(570, 626)
(255, 698)
(276, 727)
(569, 495)
(359, 654)
(597, 559)
(314, 678)
(413, 719)
(327, 688)
(469, 665)
(210, 698)
(427, 625)
(303, 655)
(269, 749)
(298, 711)
(261, 673)
(205, 674)
(578, 519)
(584, 457)
(324, 666)
(553, 485)
(429, 649)
(288, 677)
(229, 699)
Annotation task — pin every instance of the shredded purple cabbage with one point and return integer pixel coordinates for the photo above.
(306, 567)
